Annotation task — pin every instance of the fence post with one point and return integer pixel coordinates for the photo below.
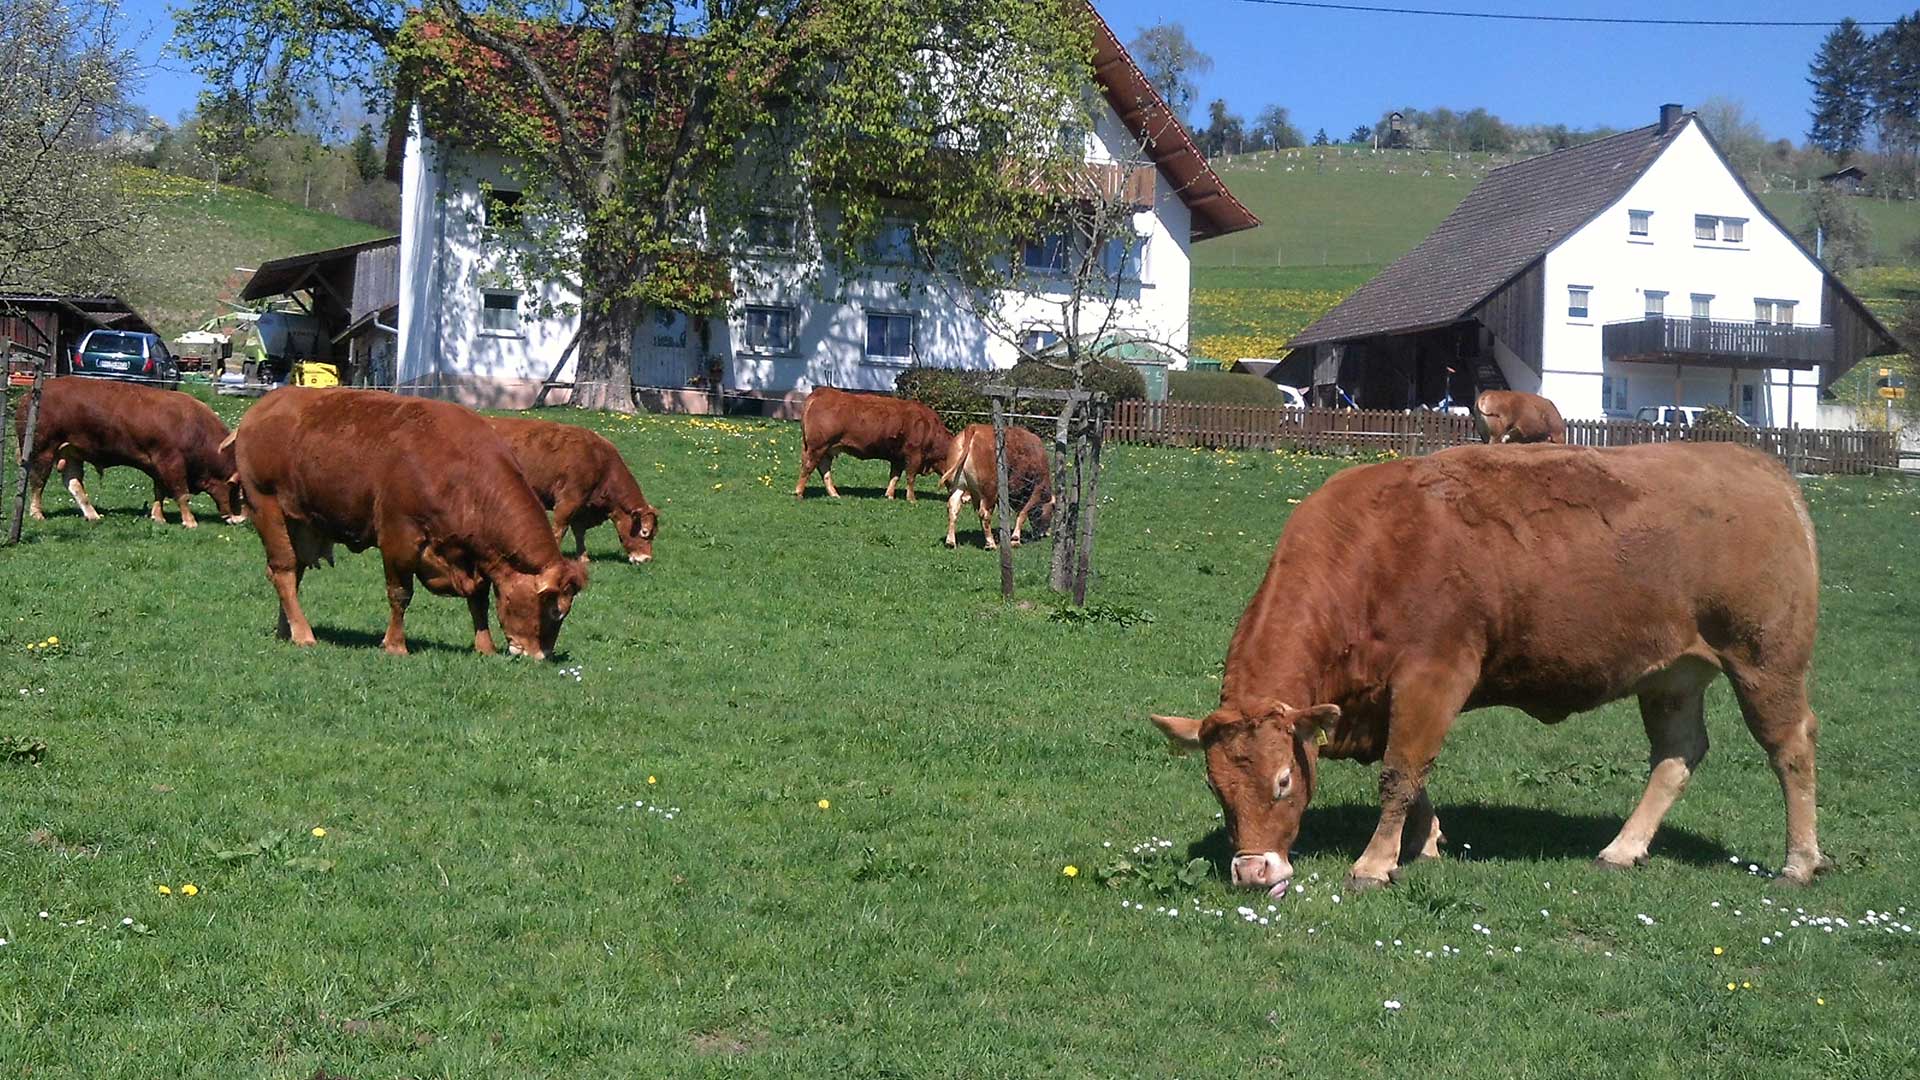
(1000, 510)
(26, 443)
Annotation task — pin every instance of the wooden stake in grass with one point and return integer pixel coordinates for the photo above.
(26, 446)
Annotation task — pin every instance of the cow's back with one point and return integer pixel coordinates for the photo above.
(116, 423)
(342, 459)
(1562, 573)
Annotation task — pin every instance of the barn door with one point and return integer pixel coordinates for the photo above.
(666, 354)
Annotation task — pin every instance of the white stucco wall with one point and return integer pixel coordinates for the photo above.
(1687, 179)
(447, 268)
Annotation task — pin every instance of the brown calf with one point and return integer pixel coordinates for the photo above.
(1542, 578)
(429, 483)
(970, 473)
(1516, 416)
(905, 434)
(581, 478)
(172, 437)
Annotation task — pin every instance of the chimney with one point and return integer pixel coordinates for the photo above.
(1669, 116)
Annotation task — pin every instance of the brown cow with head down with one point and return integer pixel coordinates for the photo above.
(172, 437)
(1547, 579)
(1516, 416)
(427, 481)
(580, 476)
(905, 434)
(970, 473)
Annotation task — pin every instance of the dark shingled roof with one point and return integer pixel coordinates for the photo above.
(1506, 222)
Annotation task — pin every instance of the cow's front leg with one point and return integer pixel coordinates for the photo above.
(1420, 837)
(284, 568)
(893, 479)
(1425, 701)
(399, 595)
(158, 512)
(72, 470)
(580, 541)
(482, 633)
(912, 470)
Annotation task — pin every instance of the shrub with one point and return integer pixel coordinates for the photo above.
(1115, 378)
(1223, 388)
(1713, 416)
(954, 393)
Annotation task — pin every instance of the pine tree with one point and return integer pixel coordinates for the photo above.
(1320, 137)
(1842, 79)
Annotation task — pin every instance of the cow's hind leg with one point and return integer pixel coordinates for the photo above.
(172, 479)
(1420, 837)
(39, 469)
(893, 478)
(1425, 702)
(1777, 714)
(158, 512)
(826, 474)
(1675, 719)
(953, 512)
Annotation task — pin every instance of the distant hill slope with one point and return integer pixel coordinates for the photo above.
(201, 235)
(1352, 206)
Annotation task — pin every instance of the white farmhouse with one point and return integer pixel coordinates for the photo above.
(1634, 271)
(466, 333)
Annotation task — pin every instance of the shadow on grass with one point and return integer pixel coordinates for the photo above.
(1496, 832)
(849, 491)
(366, 639)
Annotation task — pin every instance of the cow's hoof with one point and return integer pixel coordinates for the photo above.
(1015, 541)
(1603, 863)
(234, 519)
(1356, 884)
(950, 544)
(394, 650)
(186, 524)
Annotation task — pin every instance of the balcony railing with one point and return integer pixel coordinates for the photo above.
(1719, 342)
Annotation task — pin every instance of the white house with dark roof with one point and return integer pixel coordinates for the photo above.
(1632, 271)
(469, 334)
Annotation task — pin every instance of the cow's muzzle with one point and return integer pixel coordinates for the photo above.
(1267, 870)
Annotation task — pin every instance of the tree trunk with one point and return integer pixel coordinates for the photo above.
(603, 376)
(1066, 508)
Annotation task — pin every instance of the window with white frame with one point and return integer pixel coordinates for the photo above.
(772, 230)
(1038, 339)
(1773, 311)
(1046, 253)
(767, 329)
(1613, 393)
(499, 312)
(1702, 306)
(1706, 227)
(1733, 230)
(1656, 303)
(1639, 222)
(1577, 300)
(892, 243)
(890, 337)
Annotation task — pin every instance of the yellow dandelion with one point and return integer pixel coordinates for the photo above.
(716, 487)
(825, 805)
(653, 779)
(1717, 950)
(1746, 986)
(53, 641)
(1071, 871)
(1819, 1001)
(190, 889)
(318, 832)
(1730, 986)
(164, 891)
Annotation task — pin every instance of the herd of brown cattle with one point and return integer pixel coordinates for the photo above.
(1546, 578)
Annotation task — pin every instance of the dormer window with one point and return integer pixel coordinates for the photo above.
(1639, 222)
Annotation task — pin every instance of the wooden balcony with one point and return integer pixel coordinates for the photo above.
(1717, 343)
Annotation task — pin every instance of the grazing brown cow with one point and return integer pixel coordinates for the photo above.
(1515, 416)
(581, 478)
(1542, 578)
(905, 434)
(427, 481)
(970, 473)
(172, 437)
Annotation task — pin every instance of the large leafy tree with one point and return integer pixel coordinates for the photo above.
(1842, 79)
(645, 134)
(63, 86)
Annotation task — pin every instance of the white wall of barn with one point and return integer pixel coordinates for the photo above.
(448, 266)
(1620, 269)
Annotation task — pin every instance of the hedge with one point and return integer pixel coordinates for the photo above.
(959, 396)
(1223, 388)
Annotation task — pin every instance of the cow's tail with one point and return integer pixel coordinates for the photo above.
(957, 458)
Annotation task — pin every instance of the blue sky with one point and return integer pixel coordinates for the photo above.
(1336, 69)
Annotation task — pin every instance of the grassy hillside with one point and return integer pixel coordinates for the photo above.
(1346, 206)
(201, 234)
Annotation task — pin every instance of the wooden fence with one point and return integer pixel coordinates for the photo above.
(1347, 431)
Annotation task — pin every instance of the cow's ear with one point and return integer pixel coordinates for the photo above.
(1308, 721)
(1183, 732)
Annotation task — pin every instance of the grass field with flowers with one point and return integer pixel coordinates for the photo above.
(804, 797)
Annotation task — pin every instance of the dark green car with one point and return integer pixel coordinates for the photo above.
(126, 355)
